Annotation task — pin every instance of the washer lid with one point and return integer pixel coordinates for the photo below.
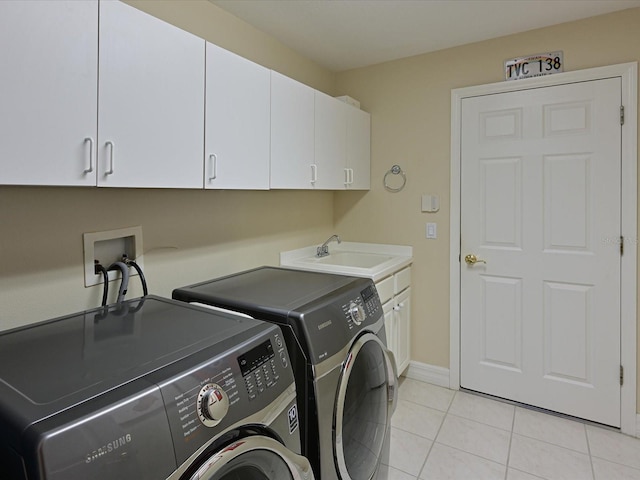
(274, 289)
(50, 366)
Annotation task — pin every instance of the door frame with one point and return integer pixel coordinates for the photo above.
(628, 72)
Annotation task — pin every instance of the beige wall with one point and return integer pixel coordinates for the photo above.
(410, 103)
(188, 235)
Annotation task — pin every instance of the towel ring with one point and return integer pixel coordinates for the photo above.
(395, 170)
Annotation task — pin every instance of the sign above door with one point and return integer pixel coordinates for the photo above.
(533, 65)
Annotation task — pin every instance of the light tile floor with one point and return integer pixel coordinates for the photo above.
(440, 434)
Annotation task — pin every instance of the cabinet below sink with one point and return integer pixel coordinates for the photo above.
(389, 266)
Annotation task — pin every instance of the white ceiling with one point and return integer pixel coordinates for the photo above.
(345, 34)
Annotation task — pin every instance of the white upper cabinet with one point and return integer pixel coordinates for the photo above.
(292, 134)
(151, 101)
(237, 122)
(330, 142)
(342, 145)
(48, 92)
(358, 149)
(101, 93)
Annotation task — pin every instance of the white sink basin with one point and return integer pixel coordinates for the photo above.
(350, 259)
(370, 260)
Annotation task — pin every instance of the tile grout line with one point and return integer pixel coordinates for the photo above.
(586, 436)
(446, 413)
(414, 402)
(513, 423)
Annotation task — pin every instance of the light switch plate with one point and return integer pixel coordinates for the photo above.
(432, 230)
(430, 203)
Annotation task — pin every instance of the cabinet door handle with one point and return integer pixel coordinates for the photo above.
(314, 173)
(111, 148)
(90, 140)
(348, 176)
(214, 166)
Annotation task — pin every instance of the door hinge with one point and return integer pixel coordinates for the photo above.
(621, 114)
(621, 375)
(621, 245)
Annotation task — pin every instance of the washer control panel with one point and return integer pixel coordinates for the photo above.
(259, 367)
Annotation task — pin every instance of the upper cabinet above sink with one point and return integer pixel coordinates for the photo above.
(292, 156)
(317, 142)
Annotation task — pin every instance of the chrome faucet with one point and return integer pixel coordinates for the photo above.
(323, 250)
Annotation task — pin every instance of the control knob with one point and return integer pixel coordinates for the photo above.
(212, 404)
(356, 312)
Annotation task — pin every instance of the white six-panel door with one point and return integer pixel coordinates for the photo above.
(540, 204)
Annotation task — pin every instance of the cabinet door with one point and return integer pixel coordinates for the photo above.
(402, 313)
(390, 328)
(237, 122)
(48, 85)
(330, 142)
(292, 134)
(358, 149)
(151, 101)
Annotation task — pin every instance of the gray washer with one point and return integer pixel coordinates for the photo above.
(346, 380)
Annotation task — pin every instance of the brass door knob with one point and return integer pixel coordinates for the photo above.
(471, 259)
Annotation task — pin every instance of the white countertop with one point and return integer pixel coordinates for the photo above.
(370, 260)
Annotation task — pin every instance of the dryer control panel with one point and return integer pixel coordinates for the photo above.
(364, 306)
(332, 323)
(371, 301)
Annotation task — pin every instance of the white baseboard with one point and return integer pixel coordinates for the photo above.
(428, 373)
(439, 376)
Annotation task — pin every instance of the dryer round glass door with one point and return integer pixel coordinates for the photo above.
(255, 458)
(364, 403)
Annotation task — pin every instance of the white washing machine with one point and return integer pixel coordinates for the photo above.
(148, 389)
(346, 377)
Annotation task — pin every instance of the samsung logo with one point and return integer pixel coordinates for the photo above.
(108, 448)
(324, 325)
